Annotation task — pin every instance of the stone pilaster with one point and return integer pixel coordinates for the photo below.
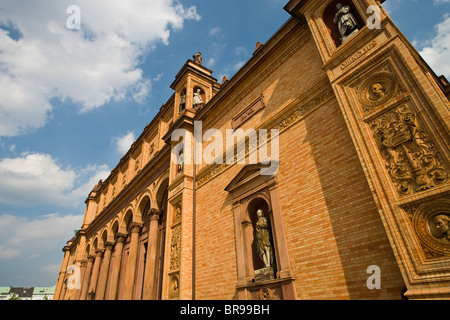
(132, 259)
(87, 277)
(116, 266)
(149, 288)
(101, 287)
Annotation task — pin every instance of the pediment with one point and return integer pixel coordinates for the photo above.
(247, 174)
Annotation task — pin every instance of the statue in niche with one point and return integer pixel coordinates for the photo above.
(182, 101)
(180, 162)
(178, 214)
(197, 98)
(346, 21)
(264, 246)
(198, 58)
(442, 225)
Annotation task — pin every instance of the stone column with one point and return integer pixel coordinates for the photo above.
(95, 271)
(83, 264)
(132, 258)
(101, 287)
(87, 277)
(116, 266)
(62, 272)
(149, 289)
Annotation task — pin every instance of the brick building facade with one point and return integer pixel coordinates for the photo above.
(361, 183)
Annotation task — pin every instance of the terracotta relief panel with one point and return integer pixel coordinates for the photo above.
(431, 223)
(376, 90)
(408, 151)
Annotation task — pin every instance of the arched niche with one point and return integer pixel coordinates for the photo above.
(328, 18)
(251, 191)
(182, 104)
(198, 93)
(256, 204)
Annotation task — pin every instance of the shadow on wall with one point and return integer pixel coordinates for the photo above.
(357, 229)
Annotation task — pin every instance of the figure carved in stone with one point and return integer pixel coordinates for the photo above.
(197, 97)
(442, 224)
(182, 101)
(175, 284)
(178, 214)
(264, 246)
(378, 91)
(198, 58)
(180, 162)
(408, 152)
(346, 21)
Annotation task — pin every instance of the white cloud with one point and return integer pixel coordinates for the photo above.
(22, 237)
(238, 65)
(8, 253)
(438, 2)
(437, 51)
(90, 66)
(214, 31)
(241, 51)
(211, 62)
(51, 269)
(123, 143)
(38, 179)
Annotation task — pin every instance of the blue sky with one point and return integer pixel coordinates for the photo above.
(74, 100)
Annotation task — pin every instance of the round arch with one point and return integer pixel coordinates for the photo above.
(144, 204)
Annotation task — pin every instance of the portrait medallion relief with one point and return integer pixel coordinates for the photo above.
(174, 286)
(439, 227)
(264, 294)
(377, 90)
(432, 226)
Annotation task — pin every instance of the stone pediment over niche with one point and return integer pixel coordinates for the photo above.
(249, 174)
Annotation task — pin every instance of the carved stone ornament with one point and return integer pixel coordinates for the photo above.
(432, 226)
(264, 294)
(409, 154)
(377, 90)
(174, 287)
(175, 252)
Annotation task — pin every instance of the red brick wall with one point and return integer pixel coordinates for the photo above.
(333, 229)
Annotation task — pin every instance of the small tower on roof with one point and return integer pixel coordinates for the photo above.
(194, 86)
